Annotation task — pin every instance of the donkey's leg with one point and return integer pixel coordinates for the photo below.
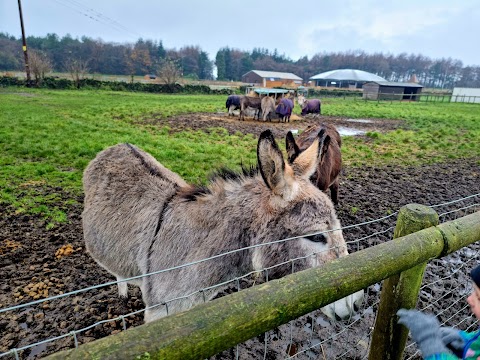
(155, 313)
(334, 191)
(122, 288)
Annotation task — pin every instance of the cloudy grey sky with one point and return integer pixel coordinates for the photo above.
(434, 28)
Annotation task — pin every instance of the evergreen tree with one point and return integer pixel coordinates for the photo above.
(205, 66)
(220, 64)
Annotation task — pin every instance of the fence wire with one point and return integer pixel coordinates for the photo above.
(446, 285)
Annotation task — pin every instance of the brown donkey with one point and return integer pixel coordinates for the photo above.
(139, 217)
(328, 171)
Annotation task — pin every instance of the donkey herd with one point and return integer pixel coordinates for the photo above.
(140, 217)
(271, 108)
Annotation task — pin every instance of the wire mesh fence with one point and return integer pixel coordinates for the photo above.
(446, 285)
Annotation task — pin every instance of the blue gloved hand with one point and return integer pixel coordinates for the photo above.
(453, 340)
(425, 330)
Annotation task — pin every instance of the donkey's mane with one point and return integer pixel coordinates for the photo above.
(228, 174)
(194, 191)
(140, 157)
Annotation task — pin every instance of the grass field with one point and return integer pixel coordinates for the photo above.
(48, 137)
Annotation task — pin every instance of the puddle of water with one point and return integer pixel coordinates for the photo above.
(322, 322)
(360, 120)
(38, 349)
(344, 131)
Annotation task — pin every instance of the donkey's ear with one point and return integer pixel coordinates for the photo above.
(271, 163)
(292, 149)
(306, 163)
(324, 147)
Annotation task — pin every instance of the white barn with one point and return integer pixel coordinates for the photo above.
(468, 95)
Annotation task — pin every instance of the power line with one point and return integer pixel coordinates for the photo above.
(96, 16)
(102, 16)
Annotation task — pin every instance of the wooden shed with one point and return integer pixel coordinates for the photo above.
(270, 79)
(387, 90)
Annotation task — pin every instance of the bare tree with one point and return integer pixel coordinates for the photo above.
(40, 65)
(77, 69)
(169, 71)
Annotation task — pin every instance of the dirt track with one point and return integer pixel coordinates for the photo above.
(31, 265)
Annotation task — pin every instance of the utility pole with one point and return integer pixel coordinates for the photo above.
(25, 54)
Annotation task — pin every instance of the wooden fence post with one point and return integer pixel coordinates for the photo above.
(401, 290)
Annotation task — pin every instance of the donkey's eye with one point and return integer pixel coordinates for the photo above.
(317, 238)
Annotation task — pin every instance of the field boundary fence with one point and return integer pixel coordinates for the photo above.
(421, 97)
(223, 323)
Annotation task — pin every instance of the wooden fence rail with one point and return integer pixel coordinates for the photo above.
(220, 324)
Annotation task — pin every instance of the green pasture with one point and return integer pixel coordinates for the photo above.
(48, 137)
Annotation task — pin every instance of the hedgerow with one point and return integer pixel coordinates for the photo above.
(92, 84)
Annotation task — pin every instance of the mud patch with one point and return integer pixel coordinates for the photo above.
(205, 121)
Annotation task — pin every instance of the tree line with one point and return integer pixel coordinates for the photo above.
(151, 57)
(140, 58)
(434, 73)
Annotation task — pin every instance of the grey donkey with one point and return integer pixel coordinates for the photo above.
(140, 217)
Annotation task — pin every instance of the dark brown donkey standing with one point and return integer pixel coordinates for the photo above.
(252, 102)
(328, 171)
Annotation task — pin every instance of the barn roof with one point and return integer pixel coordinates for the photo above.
(347, 74)
(275, 75)
(397, 84)
(270, 91)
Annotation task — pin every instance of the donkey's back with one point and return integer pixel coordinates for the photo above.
(124, 180)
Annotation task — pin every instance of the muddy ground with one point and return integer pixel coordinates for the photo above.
(36, 262)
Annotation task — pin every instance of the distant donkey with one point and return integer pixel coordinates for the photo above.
(328, 171)
(252, 102)
(268, 108)
(140, 217)
(284, 109)
(311, 106)
(232, 103)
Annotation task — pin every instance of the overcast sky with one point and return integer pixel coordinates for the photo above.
(434, 28)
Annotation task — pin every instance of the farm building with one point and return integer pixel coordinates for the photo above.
(275, 93)
(270, 79)
(469, 95)
(346, 78)
(387, 90)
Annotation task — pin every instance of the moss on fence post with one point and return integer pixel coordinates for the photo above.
(401, 290)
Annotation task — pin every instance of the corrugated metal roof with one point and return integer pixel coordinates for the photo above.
(270, 91)
(347, 74)
(397, 84)
(275, 74)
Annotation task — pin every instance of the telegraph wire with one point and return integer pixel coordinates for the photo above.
(95, 16)
(101, 16)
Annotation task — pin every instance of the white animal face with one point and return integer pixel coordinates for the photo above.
(301, 100)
